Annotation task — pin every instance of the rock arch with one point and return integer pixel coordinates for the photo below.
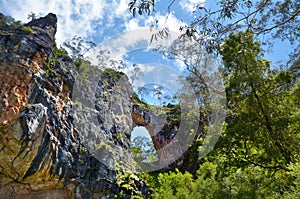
(168, 148)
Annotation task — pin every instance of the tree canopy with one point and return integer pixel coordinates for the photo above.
(257, 155)
(266, 19)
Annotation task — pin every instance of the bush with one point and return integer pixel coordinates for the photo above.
(27, 29)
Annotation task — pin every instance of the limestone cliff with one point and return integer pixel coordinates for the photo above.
(43, 153)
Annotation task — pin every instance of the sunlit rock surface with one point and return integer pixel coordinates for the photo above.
(42, 154)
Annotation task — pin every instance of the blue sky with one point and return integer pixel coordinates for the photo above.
(98, 20)
(111, 26)
(92, 19)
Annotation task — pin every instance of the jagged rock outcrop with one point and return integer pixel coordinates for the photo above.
(43, 153)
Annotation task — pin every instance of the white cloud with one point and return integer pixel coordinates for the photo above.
(147, 68)
(122, 7)
(190, 5)
(80, 17)
(159, 74)
(132, 24)
(172, 23)
(77, 17)
(180, 64)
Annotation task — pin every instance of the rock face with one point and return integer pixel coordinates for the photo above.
(163, 134)
(43, 153)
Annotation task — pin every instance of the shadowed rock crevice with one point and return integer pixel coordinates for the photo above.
(42, 148)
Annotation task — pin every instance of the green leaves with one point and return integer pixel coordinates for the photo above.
(257, 156)
(258, 98)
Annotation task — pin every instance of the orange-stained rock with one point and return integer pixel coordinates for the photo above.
(13, 92)
(43, 151)
(138, 119)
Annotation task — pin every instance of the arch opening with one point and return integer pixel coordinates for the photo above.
(142, 146)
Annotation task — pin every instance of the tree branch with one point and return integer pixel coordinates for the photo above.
(279, 24)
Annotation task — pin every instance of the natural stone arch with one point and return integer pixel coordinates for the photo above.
(168, 152)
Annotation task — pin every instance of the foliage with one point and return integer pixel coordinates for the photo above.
(127, 185)
(141, 6)
(50, 64)
(295, 69)
(271, 19)
(135, 74)
(249, 182)
(143, 150)
(106, 61)
(59, 52)
(175, 185)
(31, 16)
(77, 48)
(258, 154)
(8, 24)
(52, 60)
(112, 74)
(105, 146)
(259, 108)
(27, 29)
